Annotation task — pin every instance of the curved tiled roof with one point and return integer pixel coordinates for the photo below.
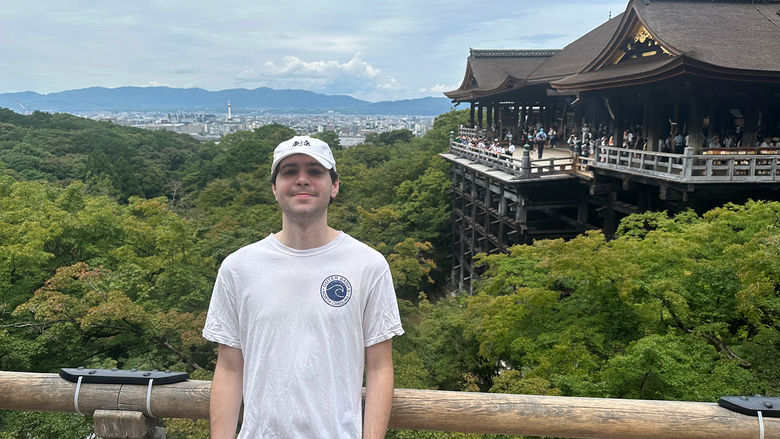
(577, 55)
(727, 38)
(494, 71)
(733, 34)
(732, 38)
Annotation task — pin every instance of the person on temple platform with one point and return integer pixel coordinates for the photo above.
(715, 142)
(679, 143)
(540, 138)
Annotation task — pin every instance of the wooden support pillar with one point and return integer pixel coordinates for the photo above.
(501, 218)
(121, 424)
(751, 125)
(473, 246)
(711, 113)
(582, 214)
(617, 125)
(500, 127)
(486, 223)
(479, 116)
(650, 126)
(610, 221)
(456, 233)
(645, 198)
(521, 214)
(695, 127)
(471, 115)
(490, 121)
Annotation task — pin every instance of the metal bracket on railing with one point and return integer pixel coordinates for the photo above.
(752, 405)
(81, 375)
(757, 405)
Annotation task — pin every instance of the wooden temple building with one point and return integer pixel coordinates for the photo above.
(708, 70)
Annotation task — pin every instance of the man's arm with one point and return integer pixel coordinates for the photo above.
(226, 386)
(379, 389)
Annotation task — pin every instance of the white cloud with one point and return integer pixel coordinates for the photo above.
(355, 77)
(438, 88)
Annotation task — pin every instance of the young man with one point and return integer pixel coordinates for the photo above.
(299, 314)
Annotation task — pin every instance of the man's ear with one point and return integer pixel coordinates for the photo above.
(273, 189)
(334, 188)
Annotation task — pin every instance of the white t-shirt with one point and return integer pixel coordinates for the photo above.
(302, 319)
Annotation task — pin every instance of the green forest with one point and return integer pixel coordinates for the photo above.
(110, 240)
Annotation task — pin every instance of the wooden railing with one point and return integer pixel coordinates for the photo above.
(122, 409)
(684, 168)
(465, 131)
(689, 168)
(514, 165)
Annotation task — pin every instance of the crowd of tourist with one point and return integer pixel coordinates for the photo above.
(487, 146)
(592, 137)
(536, 137)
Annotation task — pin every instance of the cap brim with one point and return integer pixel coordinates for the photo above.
(322, 160)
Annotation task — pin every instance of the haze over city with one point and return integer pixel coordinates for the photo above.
(369, 50)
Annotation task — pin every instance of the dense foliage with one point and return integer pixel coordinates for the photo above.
(681, 307)
(98, 271)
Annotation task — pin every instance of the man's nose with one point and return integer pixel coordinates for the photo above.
(301, 178)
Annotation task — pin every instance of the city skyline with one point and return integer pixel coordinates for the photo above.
(371, 51)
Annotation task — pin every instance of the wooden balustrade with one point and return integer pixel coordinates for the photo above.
(412, 409)
(685, 168)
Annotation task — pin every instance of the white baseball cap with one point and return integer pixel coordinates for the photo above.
(310, 146)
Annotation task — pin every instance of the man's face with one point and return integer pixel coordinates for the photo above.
(303, 188)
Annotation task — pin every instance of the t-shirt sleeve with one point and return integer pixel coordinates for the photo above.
(381, 320)
(222, 323)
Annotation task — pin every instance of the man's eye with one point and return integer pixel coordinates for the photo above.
(289, 172)
(315, 171)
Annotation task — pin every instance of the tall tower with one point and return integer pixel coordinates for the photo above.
(230, 116)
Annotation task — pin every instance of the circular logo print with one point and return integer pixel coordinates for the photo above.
(336, 290)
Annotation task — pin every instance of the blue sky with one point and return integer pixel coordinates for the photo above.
(367, 49)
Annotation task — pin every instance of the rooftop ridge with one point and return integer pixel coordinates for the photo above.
(511, 53)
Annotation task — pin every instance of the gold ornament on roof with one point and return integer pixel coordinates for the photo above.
(641, 45)
(642, 35)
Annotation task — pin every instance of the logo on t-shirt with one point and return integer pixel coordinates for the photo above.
(336, 290)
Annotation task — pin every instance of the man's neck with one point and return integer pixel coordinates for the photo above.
(305, 236)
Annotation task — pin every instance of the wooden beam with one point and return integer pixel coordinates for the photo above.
(466, 412)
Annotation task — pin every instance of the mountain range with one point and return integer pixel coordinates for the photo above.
(168, 99)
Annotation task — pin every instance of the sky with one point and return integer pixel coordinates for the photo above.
(372, 50)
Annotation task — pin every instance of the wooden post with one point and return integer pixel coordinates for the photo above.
(688, 163)
(121, 424)
(490, 121)
(525, 164)
(695, 126)
(751, 125)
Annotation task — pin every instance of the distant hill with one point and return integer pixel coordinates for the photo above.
(199, 100)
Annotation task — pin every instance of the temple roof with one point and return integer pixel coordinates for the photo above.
(574, 57)
(734, 39)
(490, 72)
(651, 41)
